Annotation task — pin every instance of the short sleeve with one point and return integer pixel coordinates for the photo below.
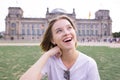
(93, 73)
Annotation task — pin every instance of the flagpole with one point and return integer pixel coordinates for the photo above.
(89, 15)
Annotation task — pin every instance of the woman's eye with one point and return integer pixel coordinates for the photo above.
(70, 27)
(58, 31)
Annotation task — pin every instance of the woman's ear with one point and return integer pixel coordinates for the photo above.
(54, 44)
(52, 41)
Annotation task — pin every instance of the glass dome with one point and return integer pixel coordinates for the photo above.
(58, 10)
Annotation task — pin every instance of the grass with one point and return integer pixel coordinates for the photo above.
(15, 60)
(107, 60)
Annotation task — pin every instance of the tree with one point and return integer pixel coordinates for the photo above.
(116, 35)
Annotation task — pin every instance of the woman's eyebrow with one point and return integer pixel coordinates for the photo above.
(57, 29)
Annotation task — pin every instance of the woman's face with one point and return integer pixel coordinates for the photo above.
(63, 34)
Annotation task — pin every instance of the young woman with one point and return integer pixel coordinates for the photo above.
(61, 60)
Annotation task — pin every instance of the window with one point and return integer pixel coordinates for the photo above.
(23, 31)
(28, 31)
(83, 26)
(96, 32)
(96, 26)
(23, 25)
(38, 32)
(91, 26)
(105, 33)
(13, 32)
(13, 25)
(79, 33)
(88, 33)
(38, 26)
(91, 32)
(33, 31)
(28, 25)
(83, 32)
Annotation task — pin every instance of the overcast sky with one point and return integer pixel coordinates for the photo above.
(37, 8)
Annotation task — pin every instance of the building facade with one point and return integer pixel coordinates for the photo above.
(22, 28)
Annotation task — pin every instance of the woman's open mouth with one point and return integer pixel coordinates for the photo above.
(67, 40)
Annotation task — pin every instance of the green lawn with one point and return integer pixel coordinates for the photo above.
(14, 60)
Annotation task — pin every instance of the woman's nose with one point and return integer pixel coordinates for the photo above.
(66, 32)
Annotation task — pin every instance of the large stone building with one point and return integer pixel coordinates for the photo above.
(22, 28)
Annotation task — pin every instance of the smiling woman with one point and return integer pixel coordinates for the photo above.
(61, 60)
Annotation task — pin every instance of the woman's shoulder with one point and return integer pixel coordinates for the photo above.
(85, 58)
(52, 59)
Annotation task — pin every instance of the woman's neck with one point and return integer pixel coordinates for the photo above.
(69, 57)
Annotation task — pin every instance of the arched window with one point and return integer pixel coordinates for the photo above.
(105, 33)
(13, 25)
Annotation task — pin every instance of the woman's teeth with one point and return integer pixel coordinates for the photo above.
(68, 39)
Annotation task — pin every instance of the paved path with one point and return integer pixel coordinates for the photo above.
(19, 44)
(114, 45)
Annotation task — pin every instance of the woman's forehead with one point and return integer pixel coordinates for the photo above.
(60, 23)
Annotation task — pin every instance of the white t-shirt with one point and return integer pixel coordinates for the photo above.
(85, 68)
